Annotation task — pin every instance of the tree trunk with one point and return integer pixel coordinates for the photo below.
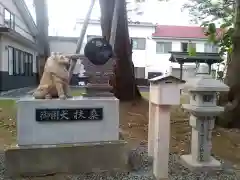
(42, 38)
(124, 85)
(232, 109)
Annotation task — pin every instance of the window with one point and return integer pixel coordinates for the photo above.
(22, 63)
(9, 19)
(163, 47)
(19, 62)
(138, 43)
(208, 98)
(194, 97)
(192, 45)
(210, 48)
(27, 62)
(186, 45)
(10, 61)
(30, 56)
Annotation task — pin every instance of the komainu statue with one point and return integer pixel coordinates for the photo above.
(55, 79)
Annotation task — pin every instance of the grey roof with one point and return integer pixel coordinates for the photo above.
(26, 15)
(166, 77)
(201, 57)
(205, 83)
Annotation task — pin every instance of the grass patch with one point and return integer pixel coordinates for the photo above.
(78, 92)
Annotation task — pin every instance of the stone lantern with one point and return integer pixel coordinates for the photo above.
(203, 110)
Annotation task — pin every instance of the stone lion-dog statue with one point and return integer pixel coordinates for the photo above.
(55, 79)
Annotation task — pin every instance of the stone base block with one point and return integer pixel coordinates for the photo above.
(188, 162)
(69, 159)
(98, 90)
(33, 132)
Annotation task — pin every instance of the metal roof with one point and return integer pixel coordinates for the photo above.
(200, 57)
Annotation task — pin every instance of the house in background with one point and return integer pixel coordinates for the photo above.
(177, 38)
(18, 46)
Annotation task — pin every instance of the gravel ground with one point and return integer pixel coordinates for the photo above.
(144, 170)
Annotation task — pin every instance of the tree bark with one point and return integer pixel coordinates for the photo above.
(231, 115)
(42, 38)
(124, 84)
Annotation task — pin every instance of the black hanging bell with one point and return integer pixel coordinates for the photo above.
(98, 51)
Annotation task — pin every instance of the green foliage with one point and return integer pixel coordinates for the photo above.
(213, 12)
(221, 37)
(210, 10)
(191, 50)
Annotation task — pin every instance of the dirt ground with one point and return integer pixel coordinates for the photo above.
(134, 124)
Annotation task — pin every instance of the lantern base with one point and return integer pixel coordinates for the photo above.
(188, 162)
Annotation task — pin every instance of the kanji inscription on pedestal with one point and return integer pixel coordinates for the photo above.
(79, 114)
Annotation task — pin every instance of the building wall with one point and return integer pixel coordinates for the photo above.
(18, 63)
(20, 25)
(9, 80)
(160, 62)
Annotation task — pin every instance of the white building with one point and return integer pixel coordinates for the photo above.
(151, 44)
(18, 47)
(176, 38)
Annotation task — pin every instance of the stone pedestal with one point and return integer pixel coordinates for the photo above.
(77, 135)
(164, 92)
(102, 90)
(151, 126)
(66, 159)
(201, 145)
(53, 130)
(98, 78)
(161, 141)
(190, 163)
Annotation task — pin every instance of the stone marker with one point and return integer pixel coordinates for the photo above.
(74, 120)
(165, 91)
(65, 135)
(203, 109)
